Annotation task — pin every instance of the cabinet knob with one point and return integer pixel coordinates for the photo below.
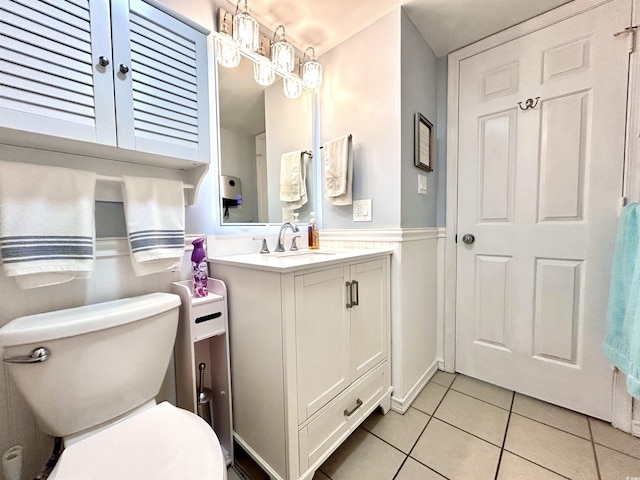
(124, 69)
(103, 61)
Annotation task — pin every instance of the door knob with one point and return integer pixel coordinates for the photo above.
(124, 69)
(103, 61)
(468, 239)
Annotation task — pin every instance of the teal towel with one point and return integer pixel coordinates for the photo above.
(622, 340)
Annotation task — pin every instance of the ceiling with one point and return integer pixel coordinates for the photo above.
(446, 25)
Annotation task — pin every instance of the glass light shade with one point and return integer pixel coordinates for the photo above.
(283, 56)
(312, 74)
(245, 31)
(263, 73)
(292, 87)
(227, 53)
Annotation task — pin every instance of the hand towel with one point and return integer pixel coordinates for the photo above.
(338, 170)
(622, 340)
(47, 223)
(293, 179)
(154, 215)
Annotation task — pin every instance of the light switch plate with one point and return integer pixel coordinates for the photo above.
(422, 184)
(362, 210)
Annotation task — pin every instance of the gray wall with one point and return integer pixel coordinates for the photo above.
(361, 95)
(418, 93)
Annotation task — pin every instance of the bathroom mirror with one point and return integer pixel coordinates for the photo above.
(257, 126)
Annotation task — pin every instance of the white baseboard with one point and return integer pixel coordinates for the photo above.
(401, 405)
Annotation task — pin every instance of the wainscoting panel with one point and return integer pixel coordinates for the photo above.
(414, 301)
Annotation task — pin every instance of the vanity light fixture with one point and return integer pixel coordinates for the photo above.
(282, 53)
(263, 72)
(227, 52)
(311, 70)
(292, 83)
(245, 28)
(292, 86)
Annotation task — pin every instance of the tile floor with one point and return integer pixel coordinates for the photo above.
(462, 428)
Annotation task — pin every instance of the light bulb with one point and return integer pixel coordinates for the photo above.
(245, 30)
(283, 56)
(292, 87)
(312, 74)
(227, 53)
(263, 73)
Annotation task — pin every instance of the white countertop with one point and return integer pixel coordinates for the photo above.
(302, 259)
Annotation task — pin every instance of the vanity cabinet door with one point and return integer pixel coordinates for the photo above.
(161, 83)
(322, 338)
(368, 316)
(56, 69)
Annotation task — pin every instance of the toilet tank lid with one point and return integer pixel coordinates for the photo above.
(70, 322)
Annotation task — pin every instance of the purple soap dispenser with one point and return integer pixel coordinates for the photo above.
(200, 268)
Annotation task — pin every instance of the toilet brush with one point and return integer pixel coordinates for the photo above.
(205, 398)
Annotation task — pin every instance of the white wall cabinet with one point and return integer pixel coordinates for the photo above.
(309, 357)
(116, 73)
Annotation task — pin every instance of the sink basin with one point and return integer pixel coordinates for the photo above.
(284, 262)
(302, 253)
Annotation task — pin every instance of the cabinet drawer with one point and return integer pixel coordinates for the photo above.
(324, 432)
(207, 320)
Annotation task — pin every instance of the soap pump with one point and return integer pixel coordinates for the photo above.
(314, 233)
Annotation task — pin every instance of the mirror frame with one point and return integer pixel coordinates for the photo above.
(253, 227)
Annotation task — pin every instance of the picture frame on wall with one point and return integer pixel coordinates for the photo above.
(423, 149)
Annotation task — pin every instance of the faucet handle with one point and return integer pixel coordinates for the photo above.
(265, 248)
(294, 247)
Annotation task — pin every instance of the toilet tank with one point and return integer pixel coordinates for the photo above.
(105, 359)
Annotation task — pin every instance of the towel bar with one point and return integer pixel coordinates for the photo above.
(108, 178)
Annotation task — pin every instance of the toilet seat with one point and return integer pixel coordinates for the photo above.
(161, 443)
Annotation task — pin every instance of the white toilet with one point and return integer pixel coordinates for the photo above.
(91, 375)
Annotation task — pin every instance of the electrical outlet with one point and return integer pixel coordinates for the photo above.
(362, 210)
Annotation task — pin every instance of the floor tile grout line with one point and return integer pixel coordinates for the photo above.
(428, 422)
(617, 451)
(593, 447)
(504, 438)
(468, 433)
(552, 426)
(537, 464)
(481, 400)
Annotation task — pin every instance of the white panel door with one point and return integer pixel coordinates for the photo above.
(51, 77)
(539, 191)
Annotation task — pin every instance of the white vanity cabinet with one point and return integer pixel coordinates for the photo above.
(85, 74)
(309, 355)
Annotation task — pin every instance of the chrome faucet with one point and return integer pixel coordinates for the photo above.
(283, 228)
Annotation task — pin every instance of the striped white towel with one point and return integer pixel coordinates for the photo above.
(47, 223)
(154, 214)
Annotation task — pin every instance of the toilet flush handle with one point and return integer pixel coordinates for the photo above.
(40, 354)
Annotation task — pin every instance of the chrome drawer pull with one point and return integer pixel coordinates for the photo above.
(40, 354)
(348, 413)
(349, 295)
(357, 295)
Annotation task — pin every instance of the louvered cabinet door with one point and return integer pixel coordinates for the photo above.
(51, 80)
(162, 91)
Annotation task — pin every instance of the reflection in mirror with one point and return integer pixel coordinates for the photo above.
(257, 126)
